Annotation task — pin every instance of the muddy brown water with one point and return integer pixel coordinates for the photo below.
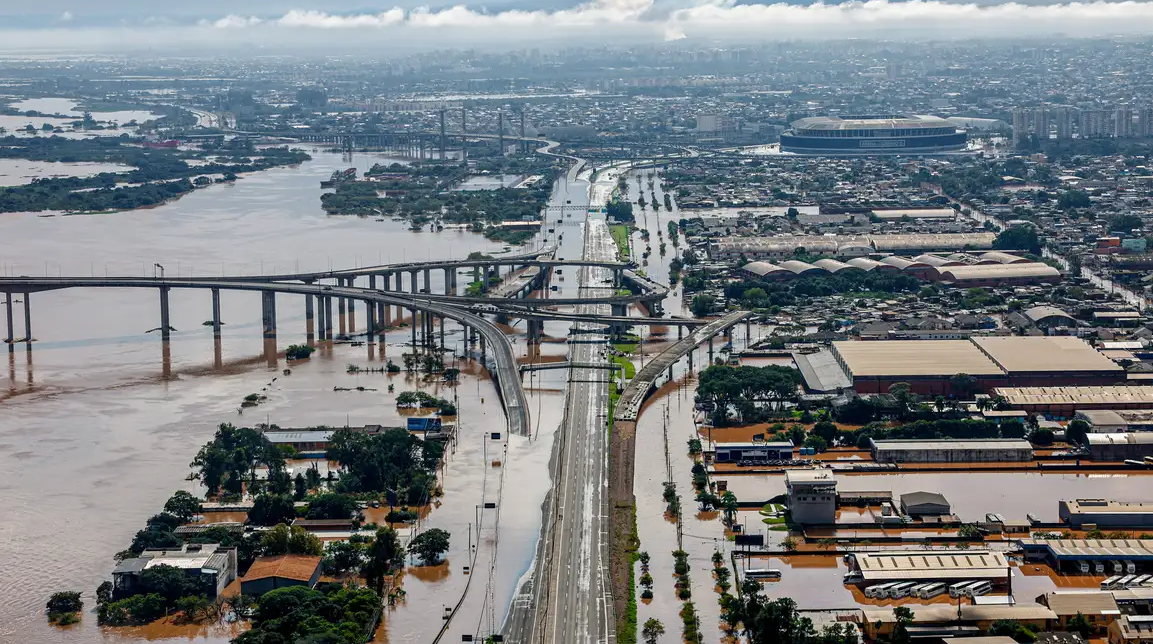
(97, 429)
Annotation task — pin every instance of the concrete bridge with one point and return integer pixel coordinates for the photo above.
(316, 296)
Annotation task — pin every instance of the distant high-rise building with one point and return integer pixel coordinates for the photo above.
(1145, 121)
(1020, 125)
(1041, 123)
(1123, 123)
(1093, 124)
(1063, 121)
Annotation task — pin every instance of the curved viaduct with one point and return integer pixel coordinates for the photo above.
(506, 373)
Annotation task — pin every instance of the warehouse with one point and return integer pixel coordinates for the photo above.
(930, 565)
(965, 620)
(999, 275)
(1113, 421)
(1083, 555)
(812, 496)
(1063, 402)
(1130, 446)
(843, 246)
(926, 365)
(1048, 317)
(985, 450)
(737, 452)
(1037, 361)
(1105, 514)
(921, 504)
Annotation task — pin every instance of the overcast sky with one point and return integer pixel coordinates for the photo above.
(211, 26)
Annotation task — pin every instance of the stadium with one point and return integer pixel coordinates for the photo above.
(914, 134)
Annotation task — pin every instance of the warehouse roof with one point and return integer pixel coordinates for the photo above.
(1061, 353)
(941, 241)
(1038, 313)
(915, 213)
(296, 567)
(864, 263)
(931, 564)
(1127, 438)
(1004, 258)
(799, 267)
(305, 436)
(763, 268)
(1086, 603)
(1120, 548)
(945, 614)
(936, 260)
(915, 444)
(1035, 270)
(1111, 394)
(809, 476)
(1104, 505)
(921, 498)
(914, 358)
(833, 265)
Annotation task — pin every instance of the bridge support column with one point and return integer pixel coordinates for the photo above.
(680, 332)
(748, 333)
(442, 333)
(328, 321)
(535, 330)
(342, 309)
(309, 319)
(711, 350)
(427, 280)
(269, 311)
(8, 312)
(381, 319)
(412, 282)
(476, 273)
(618, 275)
(216, 314)
(670, 373)
(165, 327)
(412, 312)
(449, 286)
(484, 273)
(483, 356)
(370, 316)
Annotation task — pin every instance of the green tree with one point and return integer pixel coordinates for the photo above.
(283, 540)
(343, 556)
(1019, 238)
(703, 305)
(1077, 432)
(901, 631)
(652, 631)
(268, 510)
(729, 506)
(963, 384)
(1125, 223)
(62, 606)
(331, 506)
(1079, 624)
(299, 487)
(384, 555)
(430, 545)
(182, 505)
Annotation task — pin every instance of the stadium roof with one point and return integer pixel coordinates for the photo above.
(1060, 353)
(914, 121)
(914, 358)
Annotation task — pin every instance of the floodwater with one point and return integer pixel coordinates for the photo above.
(972, 494)
(17, 172)
(67, 107)
(99, 422)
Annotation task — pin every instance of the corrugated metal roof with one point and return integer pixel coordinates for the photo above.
(914, 358)
(1107, 394)
(1059, 353)
(913, 444)
(1002, 271)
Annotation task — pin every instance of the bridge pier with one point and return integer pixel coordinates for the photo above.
(680, 332)
(442, 333)
(328, 318)
(28, 321)
(476, 274)
(370, 316)
(711, 350)
(748, 334)
(8, 311)
(269, 312)
(351, 312)
(309, 320)
(165, 328)
(412, 312)
(535, 330)
(427, 281)
(449, 278)
(216, 314)
(381, 319)
(342, 309)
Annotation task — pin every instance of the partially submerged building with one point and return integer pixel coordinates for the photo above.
(973, 450)
(211, 566)
(1103, 513)
(812, 496)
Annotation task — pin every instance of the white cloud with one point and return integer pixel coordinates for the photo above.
(617, 21)
(66, 16)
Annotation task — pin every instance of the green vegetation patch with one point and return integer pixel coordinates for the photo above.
(620, 235)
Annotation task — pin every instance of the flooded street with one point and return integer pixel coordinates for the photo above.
(95, 437)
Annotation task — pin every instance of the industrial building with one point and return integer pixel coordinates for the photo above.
(1131, 629)
(1130, 446)
(1064, 401)
(872, 135)
(211, 566)
(844, 246)
(737, 452)
(966, 620)
(1103, 513)
(1084, 555)
(985, 450)
(812, 496)
(270, 573)
(922, 504)
(972, 272)
(930, 565)
(927, 366)
(1099, 608)
(1114, 421)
